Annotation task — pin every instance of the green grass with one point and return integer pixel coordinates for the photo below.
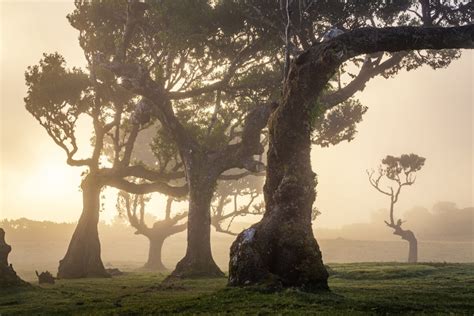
(356, 289)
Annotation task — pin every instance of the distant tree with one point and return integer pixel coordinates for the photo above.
(152, 151)
(400, 171)
(134, 207)
(231, 193)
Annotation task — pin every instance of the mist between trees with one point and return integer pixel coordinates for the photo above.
(445, 234)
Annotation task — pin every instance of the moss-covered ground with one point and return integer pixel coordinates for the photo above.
(356, 289)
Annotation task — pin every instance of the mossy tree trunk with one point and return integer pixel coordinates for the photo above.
(83, 257)
(281, 248)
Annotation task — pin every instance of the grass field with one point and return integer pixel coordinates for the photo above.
(359, 288)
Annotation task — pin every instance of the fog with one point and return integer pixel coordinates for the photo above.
(445, 234)
(443, 222)
(433, 117)
(237, 157)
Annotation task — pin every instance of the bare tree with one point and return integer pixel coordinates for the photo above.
(400, 171)
(134, 207)
(239, 196)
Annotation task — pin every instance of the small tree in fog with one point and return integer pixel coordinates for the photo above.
(241, 192)
(399, 172)
(134, 206)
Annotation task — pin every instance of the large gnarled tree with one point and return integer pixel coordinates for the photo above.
(281, 248)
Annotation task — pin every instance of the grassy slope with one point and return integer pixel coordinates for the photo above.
(362, 288)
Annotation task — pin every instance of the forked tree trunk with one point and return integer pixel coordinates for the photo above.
(154, 254)
(198, 261)
(409, 236)
(83, 258)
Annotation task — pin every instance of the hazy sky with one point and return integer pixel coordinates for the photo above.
(424, 111)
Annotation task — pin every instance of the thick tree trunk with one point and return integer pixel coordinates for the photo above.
(409, 236)
(198, 261)
(281, 250)
(154, 262)
(83, 259)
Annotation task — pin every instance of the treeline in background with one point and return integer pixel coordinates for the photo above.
(445, 235)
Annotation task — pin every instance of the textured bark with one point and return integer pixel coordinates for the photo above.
(83, 258)
(409, 236)
(8, 277)
(281, 249)
(198, 261)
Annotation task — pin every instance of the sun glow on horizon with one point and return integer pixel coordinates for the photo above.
(52, 176)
